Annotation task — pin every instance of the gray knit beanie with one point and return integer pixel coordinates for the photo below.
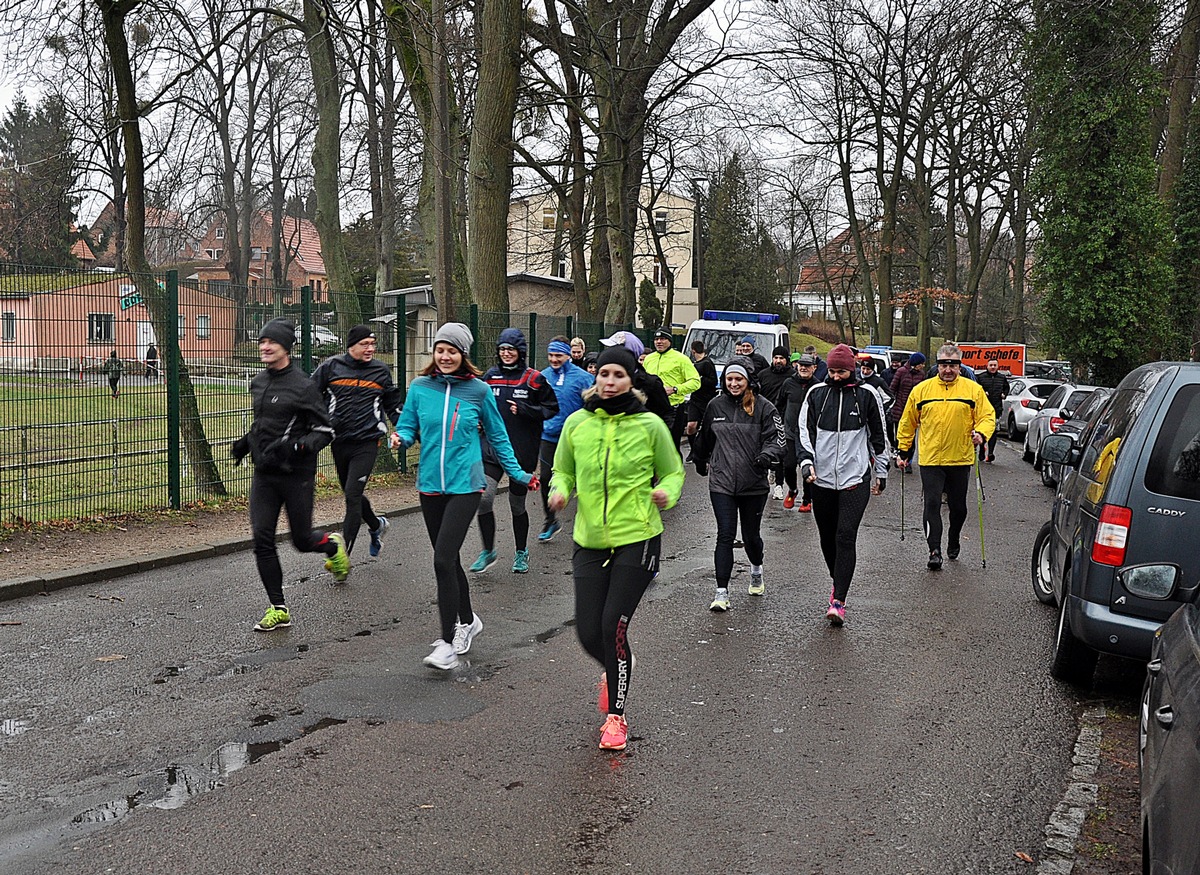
(457, 335)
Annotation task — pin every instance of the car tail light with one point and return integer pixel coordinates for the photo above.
(1055, 422)
(1111, 535)
(1025, 402)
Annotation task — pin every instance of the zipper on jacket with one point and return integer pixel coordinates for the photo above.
(837, 454)
(445, 413)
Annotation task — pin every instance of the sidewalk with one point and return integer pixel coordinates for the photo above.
(224, 532)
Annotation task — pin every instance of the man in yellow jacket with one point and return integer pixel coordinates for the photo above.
(955, 418)
(679, 376)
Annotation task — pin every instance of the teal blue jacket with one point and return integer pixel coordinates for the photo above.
(445, 414)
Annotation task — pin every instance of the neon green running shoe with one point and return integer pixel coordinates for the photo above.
(276, 617)
(339, 563)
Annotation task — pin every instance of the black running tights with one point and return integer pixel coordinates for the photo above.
(355, 460)
(447, 518)
(729, 509)
(838, 514)
(953, 481)
(608, 586)
(268, 494)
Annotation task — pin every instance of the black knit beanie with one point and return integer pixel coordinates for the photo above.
(281, 331)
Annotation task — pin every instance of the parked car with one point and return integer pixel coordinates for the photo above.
(1051, 369)
(322, 336)
(1055, 411)
(1118, 553)
(1168, 758)
(1025, 397)
(1075, 424)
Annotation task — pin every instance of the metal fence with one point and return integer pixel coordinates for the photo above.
(102, 417)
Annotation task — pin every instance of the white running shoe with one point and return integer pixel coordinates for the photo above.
(443, 656)
(464, 634)
(778, 494)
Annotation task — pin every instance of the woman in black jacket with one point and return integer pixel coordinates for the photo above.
(740, 439)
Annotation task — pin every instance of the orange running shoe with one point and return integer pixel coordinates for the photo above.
(790, 501)
(615, 733)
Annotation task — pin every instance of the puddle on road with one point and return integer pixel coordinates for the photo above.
(171, 787)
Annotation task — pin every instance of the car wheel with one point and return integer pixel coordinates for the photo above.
(1047, 475)
(1012, 432)
(1026, 454)
(1073, 662)
(1039, 569)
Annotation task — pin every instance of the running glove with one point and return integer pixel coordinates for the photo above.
(702, 468)
(239, 450)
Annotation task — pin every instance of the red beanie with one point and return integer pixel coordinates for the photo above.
(841, 357)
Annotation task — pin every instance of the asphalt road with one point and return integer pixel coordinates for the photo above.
(144, 727)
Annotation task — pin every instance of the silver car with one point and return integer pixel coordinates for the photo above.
(1055, 410)
(1025, 397)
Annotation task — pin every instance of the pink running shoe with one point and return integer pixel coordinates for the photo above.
(836, 615)
(615, 733)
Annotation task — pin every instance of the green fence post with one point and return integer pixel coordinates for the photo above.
(172, 351)
(474, 326)
(570, 327)
(533, 341)
(402, 364)
(306, 336)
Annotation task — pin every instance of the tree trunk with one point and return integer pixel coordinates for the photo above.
(1181, 88)
(489, 176)
(199, 453)
(326, 160)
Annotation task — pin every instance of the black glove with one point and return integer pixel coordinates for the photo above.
(763, 461)
(702, 468)
(904, 454)
(239, 450)
(304, 445)
(882, 483)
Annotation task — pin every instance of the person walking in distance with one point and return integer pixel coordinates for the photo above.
(291, 425)
(955, 418)
(995, 386)
(740, 439)
(362, 399)
(699, 399)
(842, 442)
(151, 362)
(746, 349)
(770, 382)
(113, 369)
(447, 405)
(679, 377)
(907, 377)
(617, 457)
(568, 381)
(526, 401)
(578, 352)
(791, 398)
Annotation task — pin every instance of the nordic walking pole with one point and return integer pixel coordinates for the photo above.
(903, 471)
(979, 504)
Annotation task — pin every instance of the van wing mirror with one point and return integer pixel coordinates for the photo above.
(1059, 449)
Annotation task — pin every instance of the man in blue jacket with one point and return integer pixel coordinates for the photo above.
(568, 382)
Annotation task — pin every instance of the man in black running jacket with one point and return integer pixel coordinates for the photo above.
(362, 399)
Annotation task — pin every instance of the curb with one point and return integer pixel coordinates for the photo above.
(52, 581)
(1066, 821)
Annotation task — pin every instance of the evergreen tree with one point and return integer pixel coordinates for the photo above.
(38, 173)
(650, 308)
(1103, 265)
(1185, 299)
(740, 259)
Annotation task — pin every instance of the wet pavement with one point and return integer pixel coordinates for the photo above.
(145, 727)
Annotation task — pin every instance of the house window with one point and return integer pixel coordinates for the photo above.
(549, 218)
(256, 253)
(427, 333)
(560, 266)
(182, 324)
(203, 327)
(219, 233)
(660, 222)
(8, 327)
(317, 287)
(100, 327)
(209, 253)
(660, 272)
(846, 248)
(217, 254)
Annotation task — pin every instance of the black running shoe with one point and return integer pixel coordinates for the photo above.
(935, 560)
(952, 551)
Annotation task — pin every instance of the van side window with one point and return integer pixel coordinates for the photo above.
(1174, 467)
(1104, 443)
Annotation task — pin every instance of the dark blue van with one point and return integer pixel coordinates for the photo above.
(1119, 554)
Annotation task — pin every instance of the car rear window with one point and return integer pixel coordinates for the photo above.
(1174, 467)
(1077, 398)
(1043, 390)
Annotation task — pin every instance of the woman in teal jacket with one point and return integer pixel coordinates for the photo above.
(619, 459)
(445, 409)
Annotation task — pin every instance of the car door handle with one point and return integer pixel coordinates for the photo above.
(1165, 716)
(1154, 666)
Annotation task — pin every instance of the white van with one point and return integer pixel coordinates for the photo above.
(721, 330)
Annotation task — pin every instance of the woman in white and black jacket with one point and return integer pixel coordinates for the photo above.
(741, 438)
(842, 436)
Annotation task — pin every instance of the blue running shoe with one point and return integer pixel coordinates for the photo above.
(487, 558)
(521, 562)
(377, 536)
(550, 531)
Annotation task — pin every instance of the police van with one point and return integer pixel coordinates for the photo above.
(722, 330)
